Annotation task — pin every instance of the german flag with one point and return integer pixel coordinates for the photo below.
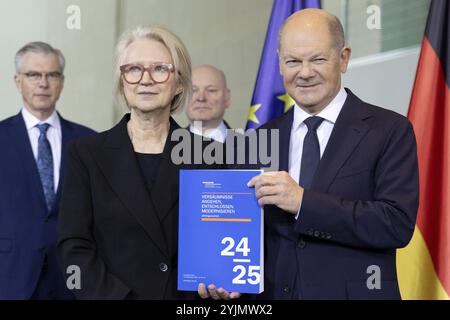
(424, 265)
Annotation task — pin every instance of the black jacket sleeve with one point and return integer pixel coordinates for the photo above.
(76, 245)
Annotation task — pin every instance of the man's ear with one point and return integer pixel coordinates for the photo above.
(346, 52)
(279, 62)
(62, 82)
(227, 97)
(18, 82)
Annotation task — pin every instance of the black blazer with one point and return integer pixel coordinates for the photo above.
(361, 207)
(123, 238)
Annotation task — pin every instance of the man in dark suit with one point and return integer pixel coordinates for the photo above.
(211, 97)
(346, 193)
(33, 146)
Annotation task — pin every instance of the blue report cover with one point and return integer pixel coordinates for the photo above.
(220, 231)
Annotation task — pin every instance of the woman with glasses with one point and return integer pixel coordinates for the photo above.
(119, 212)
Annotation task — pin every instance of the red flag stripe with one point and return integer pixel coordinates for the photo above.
(430, 114)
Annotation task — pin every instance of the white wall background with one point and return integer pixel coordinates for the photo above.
(88, 51)
(229, 34)
(384, 79)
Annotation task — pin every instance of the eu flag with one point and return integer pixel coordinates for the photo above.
(270, 99)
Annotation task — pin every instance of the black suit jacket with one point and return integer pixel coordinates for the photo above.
(123, 238)
(361, 207)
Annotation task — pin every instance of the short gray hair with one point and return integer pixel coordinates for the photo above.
(39, 47)
(178, 52)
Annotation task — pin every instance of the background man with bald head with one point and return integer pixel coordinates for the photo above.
(211, 97)
(346, 193)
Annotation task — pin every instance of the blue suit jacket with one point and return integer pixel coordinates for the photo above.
(27, 229)
(361, 207)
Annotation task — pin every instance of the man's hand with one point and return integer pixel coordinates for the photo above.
(216, 293)
(278, 188)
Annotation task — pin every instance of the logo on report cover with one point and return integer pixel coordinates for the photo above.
(211, 185)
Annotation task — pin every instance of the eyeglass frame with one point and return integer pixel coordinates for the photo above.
(148, 69)
(42, 75)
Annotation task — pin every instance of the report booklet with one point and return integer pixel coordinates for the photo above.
(221, 230)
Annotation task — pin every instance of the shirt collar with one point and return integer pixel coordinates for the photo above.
(330, 113)
(218, 133)
(31, 121)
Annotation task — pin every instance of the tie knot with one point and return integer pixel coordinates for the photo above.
(313, 123)
(43, 127)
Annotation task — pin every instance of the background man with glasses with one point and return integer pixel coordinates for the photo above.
(32, 145)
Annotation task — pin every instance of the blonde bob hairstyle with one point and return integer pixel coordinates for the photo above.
(178, 52)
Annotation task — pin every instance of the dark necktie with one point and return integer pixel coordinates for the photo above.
(311, 152)
(45, 165)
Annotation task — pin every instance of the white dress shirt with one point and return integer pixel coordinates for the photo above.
(299, 129)
(54, 136)
(218, 134)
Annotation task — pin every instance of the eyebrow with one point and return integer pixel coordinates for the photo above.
(35, 71)
(209, 86)
(312, 56)
(320, 54)
(146, 63)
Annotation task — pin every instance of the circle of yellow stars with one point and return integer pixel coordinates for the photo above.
(286, 98)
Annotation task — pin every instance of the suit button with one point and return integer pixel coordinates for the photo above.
(163, 267)
(301, 244)
(316, 234)
(310, 232)
(286, 289)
